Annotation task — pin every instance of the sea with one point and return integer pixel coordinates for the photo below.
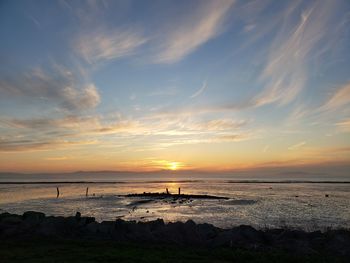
(308, 205)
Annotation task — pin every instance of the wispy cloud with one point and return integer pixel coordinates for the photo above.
(204, 139)
(42, 133)
(200, 91)
(266, 148)
(339, 99)
(33, 145)
(72, 126)
(189, 33)
(35, 21)
(344, 126)
(103, 45)
(84, 98)
(296, 146)
(218, 125)
(169, 42)
(41, 124)
(66, 132)
(295, 46)
(57, 158)
(64, 90)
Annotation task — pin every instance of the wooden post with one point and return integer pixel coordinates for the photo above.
(87, 191)
(167, 191)
(179, 190)
(58, 192)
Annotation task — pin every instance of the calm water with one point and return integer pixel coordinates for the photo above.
(300, 205)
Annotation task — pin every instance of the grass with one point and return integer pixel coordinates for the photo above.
(108, 251)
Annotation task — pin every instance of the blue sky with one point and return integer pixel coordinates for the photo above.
(148, 84)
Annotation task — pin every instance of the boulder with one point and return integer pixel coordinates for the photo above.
(92, 228)
(242, 237)
(78, 215)
(11, 219)
(293, 234)
(222, 239)
(106, 228)
(155, 224)
(338, 242)
(32, 217)
(207, 231)
(53, 226)
(83, 221)
(4, 215)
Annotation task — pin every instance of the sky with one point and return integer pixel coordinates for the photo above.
(180, 85)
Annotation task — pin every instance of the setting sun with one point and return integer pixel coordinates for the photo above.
(173, 166)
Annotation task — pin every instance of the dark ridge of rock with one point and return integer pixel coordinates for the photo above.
(176, 196)
(33, 224)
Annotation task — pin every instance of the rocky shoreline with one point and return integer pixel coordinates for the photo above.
(37, 225)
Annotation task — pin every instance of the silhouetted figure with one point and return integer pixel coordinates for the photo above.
(179, 190)
(87, 191)
(167, 191)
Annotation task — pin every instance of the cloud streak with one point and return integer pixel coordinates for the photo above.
(200, 91)
(298, 43)
(32, 145)
(40, 133)
(296, 146)
(344, 126)
(201, 25)
(104, 45)
(64, 89)
(339, 99)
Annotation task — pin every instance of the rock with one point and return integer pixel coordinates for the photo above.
(32, 217)
(271, 235)
(172, 233)
(182, 233)
(222, 239)
(247, 237)
(242, 236)
(35, 224)
(207, 231)
(293, 234)
(338, 242)
(92, 227)
(48, 229)
(78, 215)
(251, 233)
(295, 246)
(53, 226)
(70, 225)
(4, 215)
(86, 220)
(190, 224)
(156, 224)
(11, 219)
(318, 243)
(106, 227)
(315, 234)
